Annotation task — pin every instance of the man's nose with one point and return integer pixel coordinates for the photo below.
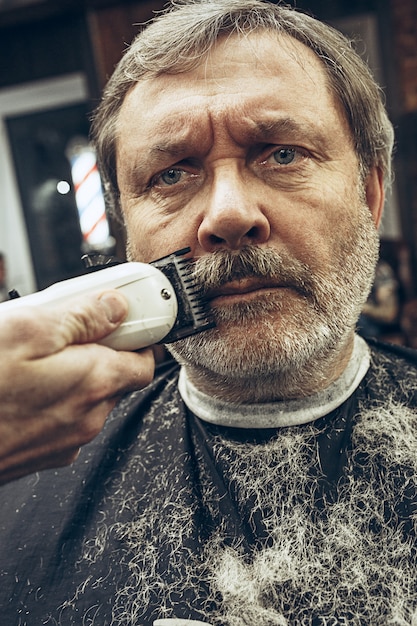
(233, 216)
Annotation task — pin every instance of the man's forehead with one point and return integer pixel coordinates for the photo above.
(265, 53)
(282, 87)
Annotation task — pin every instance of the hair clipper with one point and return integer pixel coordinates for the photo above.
(164, 303)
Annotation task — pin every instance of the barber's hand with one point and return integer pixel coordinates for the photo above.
(56, 385)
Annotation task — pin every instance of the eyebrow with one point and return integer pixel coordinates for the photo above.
(272, 130)
(286, 124)
(173, 139)
(142, 163)
(172, 149)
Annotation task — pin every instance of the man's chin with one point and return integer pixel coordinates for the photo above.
(250, 348)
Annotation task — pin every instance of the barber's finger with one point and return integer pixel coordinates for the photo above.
(113, 372)
(89, 374)
(37, 331)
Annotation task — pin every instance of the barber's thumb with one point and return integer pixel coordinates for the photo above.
(114, 306)
(91, 318)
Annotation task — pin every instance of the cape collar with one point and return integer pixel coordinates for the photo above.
(282, 413)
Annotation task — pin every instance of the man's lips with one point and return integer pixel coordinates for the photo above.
(243, 287)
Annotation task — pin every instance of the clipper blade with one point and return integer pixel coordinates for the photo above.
(194, 314)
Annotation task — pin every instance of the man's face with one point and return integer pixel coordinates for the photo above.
(250, 151)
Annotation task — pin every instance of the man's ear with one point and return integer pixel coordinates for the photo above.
(375, 193)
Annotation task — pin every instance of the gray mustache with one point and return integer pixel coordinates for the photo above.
(224, 266)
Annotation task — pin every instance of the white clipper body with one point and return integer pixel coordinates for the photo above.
(153, 305)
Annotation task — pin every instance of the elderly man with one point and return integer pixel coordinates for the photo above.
(270, 477)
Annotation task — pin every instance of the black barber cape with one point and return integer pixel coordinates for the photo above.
(130, 532)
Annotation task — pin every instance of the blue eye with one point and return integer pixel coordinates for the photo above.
(284, 156)
(170, 177)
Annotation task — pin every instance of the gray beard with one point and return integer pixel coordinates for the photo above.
(277, 361)
(346, 564)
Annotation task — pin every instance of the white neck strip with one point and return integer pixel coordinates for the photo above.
(282, 413)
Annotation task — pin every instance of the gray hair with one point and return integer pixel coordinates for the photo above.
(178, 39)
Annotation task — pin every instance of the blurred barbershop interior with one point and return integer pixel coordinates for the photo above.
(55, 57)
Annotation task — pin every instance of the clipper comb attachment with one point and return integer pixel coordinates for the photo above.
(194, 314)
